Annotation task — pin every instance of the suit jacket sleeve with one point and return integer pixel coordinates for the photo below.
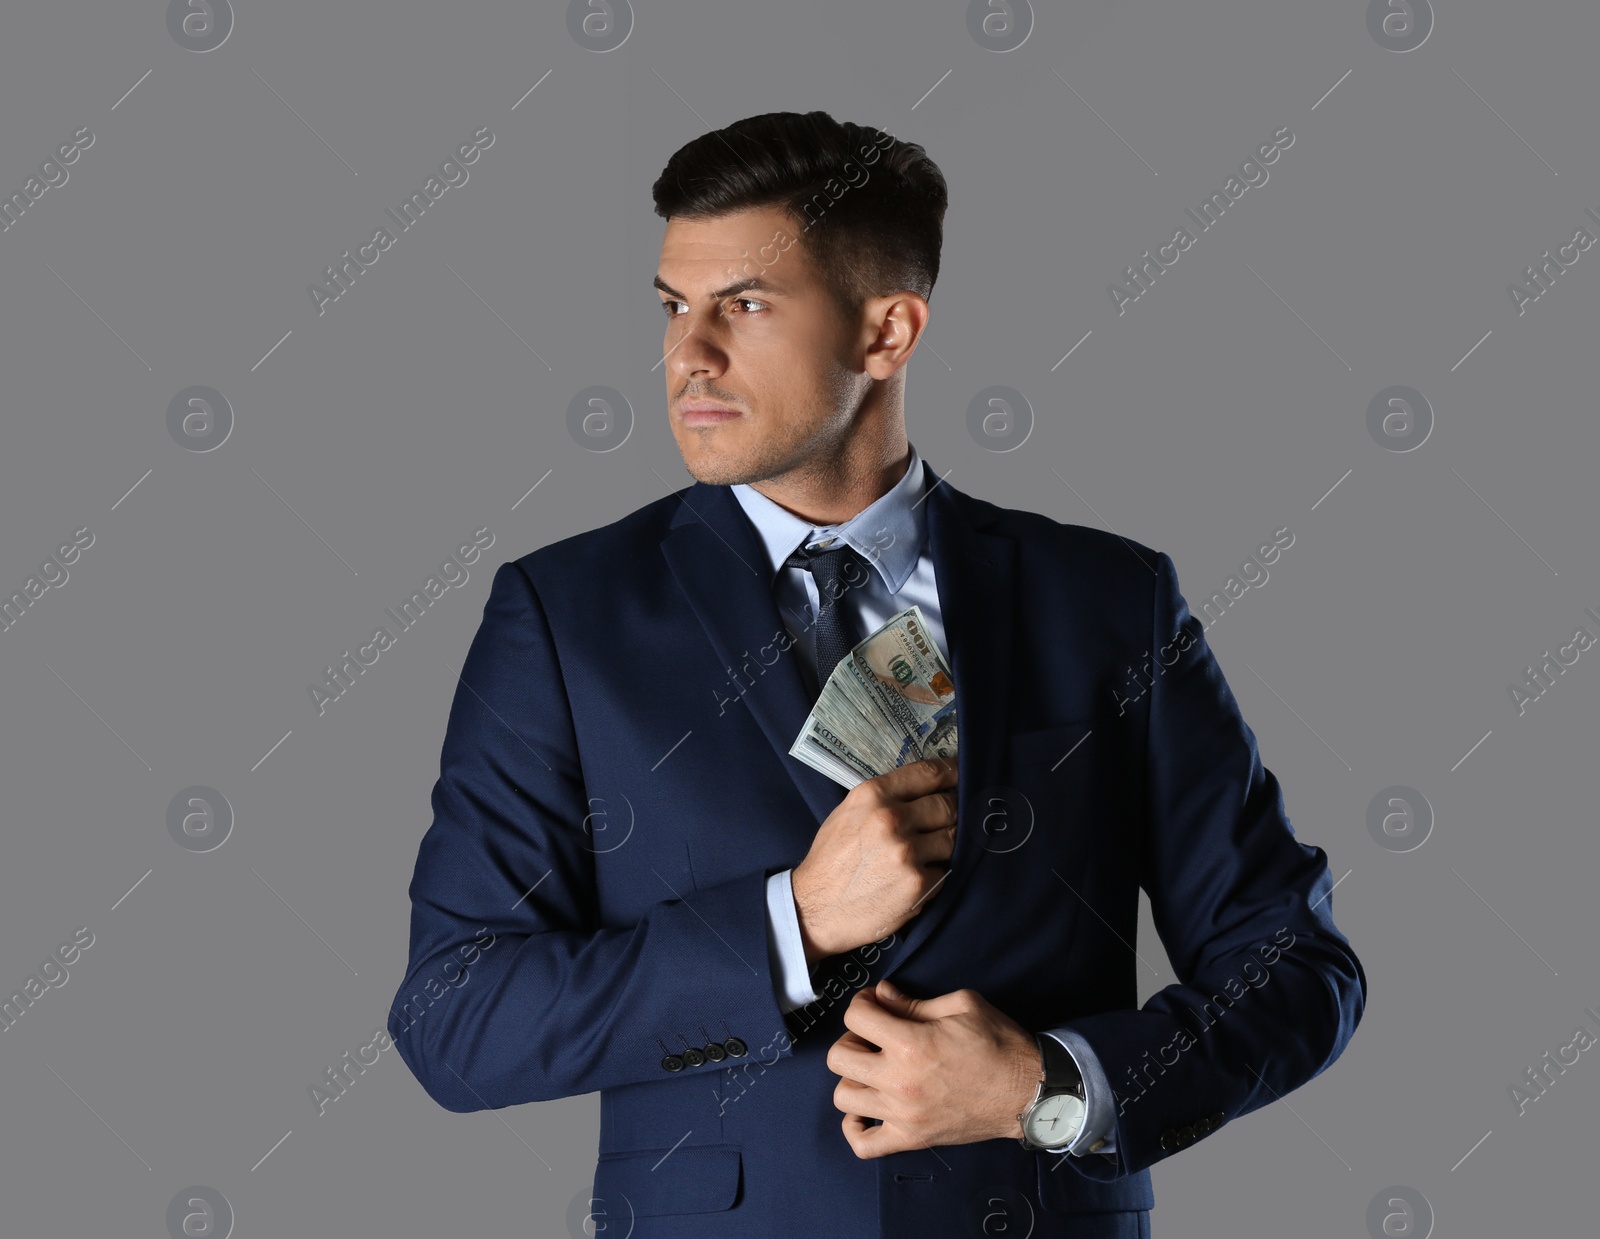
(515, 992)
(1269, 991)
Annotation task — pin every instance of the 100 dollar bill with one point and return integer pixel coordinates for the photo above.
(890, 701)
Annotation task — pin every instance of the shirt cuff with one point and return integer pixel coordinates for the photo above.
(786, 953)
(1100, 1123)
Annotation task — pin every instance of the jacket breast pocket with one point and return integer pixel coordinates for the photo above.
(693, 1178)
(1053, 747)
(1058, 767)
(1052, 796)
(1047, 772)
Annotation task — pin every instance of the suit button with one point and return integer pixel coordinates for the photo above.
(1185, 1134)
(1167, 1139)
(672, 1063)
(692, 1057)
(735, 1047)
(1217, 1118)
(714, 1052)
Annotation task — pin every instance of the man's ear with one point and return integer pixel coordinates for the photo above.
(896, 323)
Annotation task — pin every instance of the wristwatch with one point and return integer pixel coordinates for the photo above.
(1056, 1115)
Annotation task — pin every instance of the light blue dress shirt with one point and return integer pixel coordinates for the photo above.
(890, 533)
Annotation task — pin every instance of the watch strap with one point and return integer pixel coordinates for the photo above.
(1061, 1073)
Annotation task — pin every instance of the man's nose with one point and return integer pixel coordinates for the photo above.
(695, 353)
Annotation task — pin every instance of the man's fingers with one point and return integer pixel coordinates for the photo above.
(855, 1041)
(918, 778)
(956, 1002)
(852, 1058)
(937, 810)
(871, 1020)
(863, 1136)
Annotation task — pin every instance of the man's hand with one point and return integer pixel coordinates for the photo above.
(947, 1070)
(883, 850)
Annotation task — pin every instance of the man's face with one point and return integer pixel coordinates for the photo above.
(776, 351)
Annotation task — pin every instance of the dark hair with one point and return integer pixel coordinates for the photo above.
(869, 208)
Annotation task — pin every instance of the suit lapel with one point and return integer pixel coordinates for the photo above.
(974, 571)
(721, 566)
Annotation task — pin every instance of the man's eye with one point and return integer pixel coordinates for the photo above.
(671, 312)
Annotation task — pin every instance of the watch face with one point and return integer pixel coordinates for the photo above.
(1055, 1121)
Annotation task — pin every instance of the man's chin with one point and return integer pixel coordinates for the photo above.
(715, 470)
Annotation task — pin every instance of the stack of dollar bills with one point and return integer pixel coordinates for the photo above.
(890, 701)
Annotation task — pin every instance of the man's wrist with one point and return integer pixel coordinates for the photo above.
(815, 951)
(1028, 1074)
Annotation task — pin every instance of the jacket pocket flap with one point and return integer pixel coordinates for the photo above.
(694, 1178)
(1063, 1189)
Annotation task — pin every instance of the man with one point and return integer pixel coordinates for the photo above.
(655, 901)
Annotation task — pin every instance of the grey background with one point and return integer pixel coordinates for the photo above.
(376, 437)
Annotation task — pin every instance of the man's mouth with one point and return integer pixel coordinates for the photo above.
(706, 414)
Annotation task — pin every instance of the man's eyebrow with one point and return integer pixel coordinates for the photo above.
(752, 283)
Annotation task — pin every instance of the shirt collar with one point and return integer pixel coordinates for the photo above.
(888, 532)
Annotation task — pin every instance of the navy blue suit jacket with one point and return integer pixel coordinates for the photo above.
(589, 905)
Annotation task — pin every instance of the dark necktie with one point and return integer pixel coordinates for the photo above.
(836, 570)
